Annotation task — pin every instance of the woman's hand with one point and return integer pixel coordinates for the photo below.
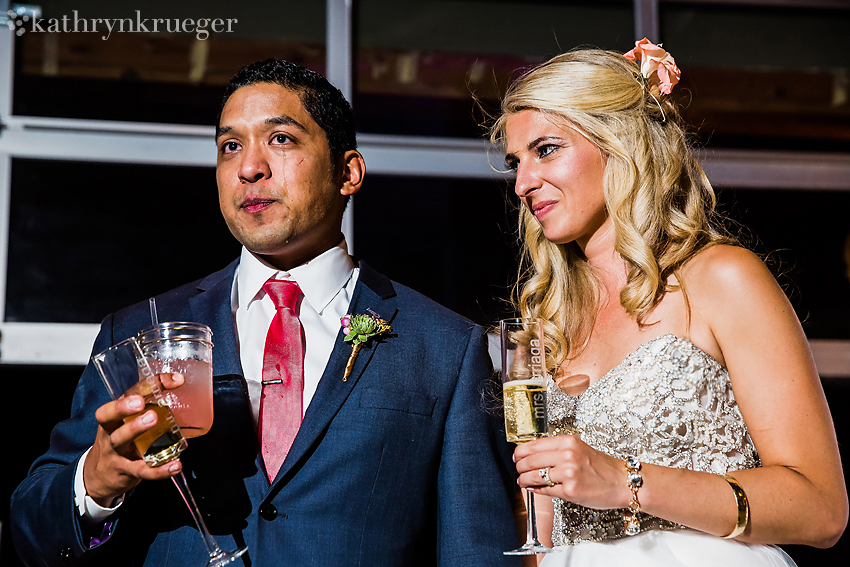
(581, 474)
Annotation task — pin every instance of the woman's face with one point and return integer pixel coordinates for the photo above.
(558, 177)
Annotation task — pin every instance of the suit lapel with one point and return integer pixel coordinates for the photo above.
(212, 307)
(372, 292)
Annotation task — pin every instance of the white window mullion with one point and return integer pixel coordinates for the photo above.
(339, 45)
(7, 66)
(7, 60)
(647, 22)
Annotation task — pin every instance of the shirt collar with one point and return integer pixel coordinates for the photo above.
(320, 279)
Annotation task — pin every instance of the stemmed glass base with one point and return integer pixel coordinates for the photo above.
(226, 557)
(531, 546)
(218, 558)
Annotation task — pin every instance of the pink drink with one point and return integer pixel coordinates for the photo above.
(191, 403)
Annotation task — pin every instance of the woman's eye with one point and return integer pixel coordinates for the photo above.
(545, 150)
(512, 164)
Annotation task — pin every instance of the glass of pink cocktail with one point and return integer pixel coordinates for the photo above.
(186, 348)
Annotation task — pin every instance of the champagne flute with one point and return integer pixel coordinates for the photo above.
(524, 391)
(126, 371)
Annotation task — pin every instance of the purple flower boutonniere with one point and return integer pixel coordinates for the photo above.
(358, 330)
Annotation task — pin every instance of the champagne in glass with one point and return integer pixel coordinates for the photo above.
(126, 371)
(525, 410)
(524, 391)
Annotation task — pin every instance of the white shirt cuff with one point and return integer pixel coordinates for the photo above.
(86, 506)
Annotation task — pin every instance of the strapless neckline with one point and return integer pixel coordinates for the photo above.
(668, 338)
(668, 403)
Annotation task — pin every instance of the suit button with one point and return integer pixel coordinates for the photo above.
(268, 512)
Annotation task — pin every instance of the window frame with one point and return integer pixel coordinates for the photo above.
(174, 144)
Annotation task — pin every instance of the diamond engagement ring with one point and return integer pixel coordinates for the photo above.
(544, 474)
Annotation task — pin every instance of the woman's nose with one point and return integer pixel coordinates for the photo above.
(526, 181)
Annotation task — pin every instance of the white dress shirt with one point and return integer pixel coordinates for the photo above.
(327, 282)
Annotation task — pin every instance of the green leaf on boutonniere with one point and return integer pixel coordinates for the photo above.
(358, 330)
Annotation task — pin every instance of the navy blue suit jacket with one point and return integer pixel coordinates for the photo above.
(404, 464)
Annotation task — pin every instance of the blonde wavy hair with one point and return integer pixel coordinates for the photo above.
(659, 199)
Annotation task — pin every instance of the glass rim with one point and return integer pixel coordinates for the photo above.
(520, 321)
(175, 325)
(147, 335)
(119, 344)
(100, 358)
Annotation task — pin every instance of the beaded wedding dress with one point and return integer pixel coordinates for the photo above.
(671, 404)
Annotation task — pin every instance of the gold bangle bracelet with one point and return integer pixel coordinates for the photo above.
(743, 507)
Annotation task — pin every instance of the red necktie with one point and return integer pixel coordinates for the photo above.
(281, 403)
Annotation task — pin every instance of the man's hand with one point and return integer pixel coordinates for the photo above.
(114, 466)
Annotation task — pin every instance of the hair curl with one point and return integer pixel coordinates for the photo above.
(659, 199)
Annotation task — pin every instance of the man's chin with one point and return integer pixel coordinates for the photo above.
(262, 244)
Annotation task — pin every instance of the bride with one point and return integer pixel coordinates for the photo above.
(691, 425)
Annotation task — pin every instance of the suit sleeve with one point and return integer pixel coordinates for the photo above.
(477, 478)
(45, 522)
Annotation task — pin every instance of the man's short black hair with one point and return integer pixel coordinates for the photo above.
(323, 102)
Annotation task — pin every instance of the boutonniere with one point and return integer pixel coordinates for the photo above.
(358, 330)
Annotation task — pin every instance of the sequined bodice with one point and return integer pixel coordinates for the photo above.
(668, 403)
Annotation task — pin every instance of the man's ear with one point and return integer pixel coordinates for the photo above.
(353, 171)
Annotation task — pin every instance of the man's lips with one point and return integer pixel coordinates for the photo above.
(256, 204)
(541, 208)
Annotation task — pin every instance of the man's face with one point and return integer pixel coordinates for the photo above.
(279, 192)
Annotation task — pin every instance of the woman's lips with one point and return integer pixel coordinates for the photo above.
(540, 209)
(256, 204)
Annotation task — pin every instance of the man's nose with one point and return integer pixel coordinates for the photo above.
(254, 166)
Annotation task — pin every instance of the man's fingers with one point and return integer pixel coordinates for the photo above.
(111, 415)
(128, 432)
(141, 470)
(170, 380)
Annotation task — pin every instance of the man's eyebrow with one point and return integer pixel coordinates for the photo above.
(282, 120)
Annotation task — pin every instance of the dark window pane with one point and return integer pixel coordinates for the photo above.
(30, 382)
(802, 234)
(88, 238)
(162, 76)
(762, 76)
(417, 63)
(451, 239)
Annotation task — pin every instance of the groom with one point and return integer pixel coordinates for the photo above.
(393, 461)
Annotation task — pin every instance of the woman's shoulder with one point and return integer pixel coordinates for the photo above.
(724, 280)
(725, 268)
(729, 293)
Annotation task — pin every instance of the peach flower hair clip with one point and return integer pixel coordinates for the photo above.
(656, 65)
